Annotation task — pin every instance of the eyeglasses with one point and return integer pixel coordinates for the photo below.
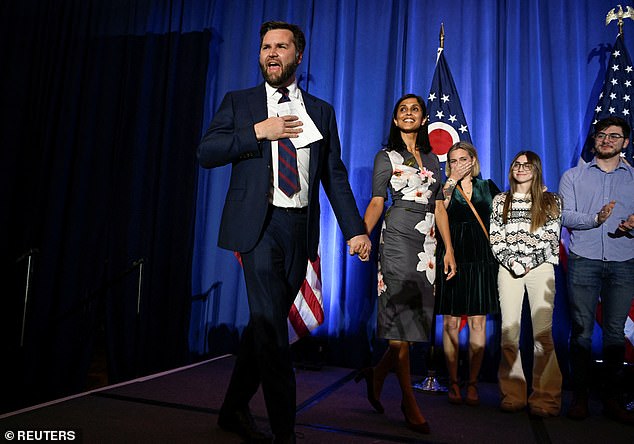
(612, 137)
(518, 166)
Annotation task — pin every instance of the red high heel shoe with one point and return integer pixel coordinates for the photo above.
(368, 374)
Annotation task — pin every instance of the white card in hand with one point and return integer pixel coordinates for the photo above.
(310, 133)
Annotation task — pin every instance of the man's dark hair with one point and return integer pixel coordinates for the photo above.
(298, 34)
(395, 141)
(613, 121)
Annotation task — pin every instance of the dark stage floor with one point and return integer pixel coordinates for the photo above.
(181, 406)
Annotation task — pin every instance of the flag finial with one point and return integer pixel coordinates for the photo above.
(441, 36)
(620, 15)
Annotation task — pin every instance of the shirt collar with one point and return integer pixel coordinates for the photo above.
(621, 166)
(293, 90)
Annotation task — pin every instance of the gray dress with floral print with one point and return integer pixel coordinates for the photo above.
(407, 248)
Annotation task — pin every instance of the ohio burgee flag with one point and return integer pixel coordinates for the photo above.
(447, 123)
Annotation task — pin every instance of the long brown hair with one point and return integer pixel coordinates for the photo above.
(544, 205)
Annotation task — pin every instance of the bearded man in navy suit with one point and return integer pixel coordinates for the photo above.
(275, 230)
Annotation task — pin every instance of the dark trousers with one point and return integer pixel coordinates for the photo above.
(613, 282)
(274, 271)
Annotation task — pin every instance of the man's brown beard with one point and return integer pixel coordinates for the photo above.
(600, 155)
(287, 72)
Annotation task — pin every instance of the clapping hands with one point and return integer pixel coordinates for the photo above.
(606, 211)
(627, 224)
(624, 229)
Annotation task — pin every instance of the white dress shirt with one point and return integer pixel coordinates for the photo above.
(279, 199)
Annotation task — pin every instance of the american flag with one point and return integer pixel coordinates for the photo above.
(615, 100)
(447, 123)
(629, 334)
(307, 311)
(616, 97)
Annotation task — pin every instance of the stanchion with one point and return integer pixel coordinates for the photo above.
(29, 255)
(430, 384)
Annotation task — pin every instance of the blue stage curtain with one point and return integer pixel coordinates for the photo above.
(528, 73)
(101, 120)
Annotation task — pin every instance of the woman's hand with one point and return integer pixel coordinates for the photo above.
(460, 171)
(518, 269)
(450, 264)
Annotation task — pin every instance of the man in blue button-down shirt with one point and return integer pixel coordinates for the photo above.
(598, 210)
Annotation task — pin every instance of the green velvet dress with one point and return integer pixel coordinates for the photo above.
(473, 290)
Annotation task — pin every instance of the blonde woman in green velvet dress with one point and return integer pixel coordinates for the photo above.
(473, 292)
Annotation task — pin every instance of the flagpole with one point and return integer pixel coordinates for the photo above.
(441, 45)
(619, 15)
(430, 384)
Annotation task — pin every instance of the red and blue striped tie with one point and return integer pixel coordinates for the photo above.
(287, 175)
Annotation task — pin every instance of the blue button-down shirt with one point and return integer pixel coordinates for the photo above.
(584, 190)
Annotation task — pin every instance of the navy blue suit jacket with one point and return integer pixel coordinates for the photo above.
(231, 139)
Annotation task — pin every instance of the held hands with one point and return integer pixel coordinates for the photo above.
(361, 246)
(275, 128)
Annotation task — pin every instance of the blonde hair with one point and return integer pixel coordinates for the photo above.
(470, 149)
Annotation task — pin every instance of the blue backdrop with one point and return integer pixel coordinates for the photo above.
(528, 72)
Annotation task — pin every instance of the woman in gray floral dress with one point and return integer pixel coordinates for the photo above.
(407, 249)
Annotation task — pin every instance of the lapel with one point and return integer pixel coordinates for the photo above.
(259, 112)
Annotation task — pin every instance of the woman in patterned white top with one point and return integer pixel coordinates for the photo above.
(525, 231)
(410, 172)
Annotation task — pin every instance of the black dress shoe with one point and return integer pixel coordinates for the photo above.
(241, 422)
(284, 439)
(579, 407)
(613, 409)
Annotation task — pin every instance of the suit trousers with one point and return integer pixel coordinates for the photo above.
(274, 271)
(539, 283)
